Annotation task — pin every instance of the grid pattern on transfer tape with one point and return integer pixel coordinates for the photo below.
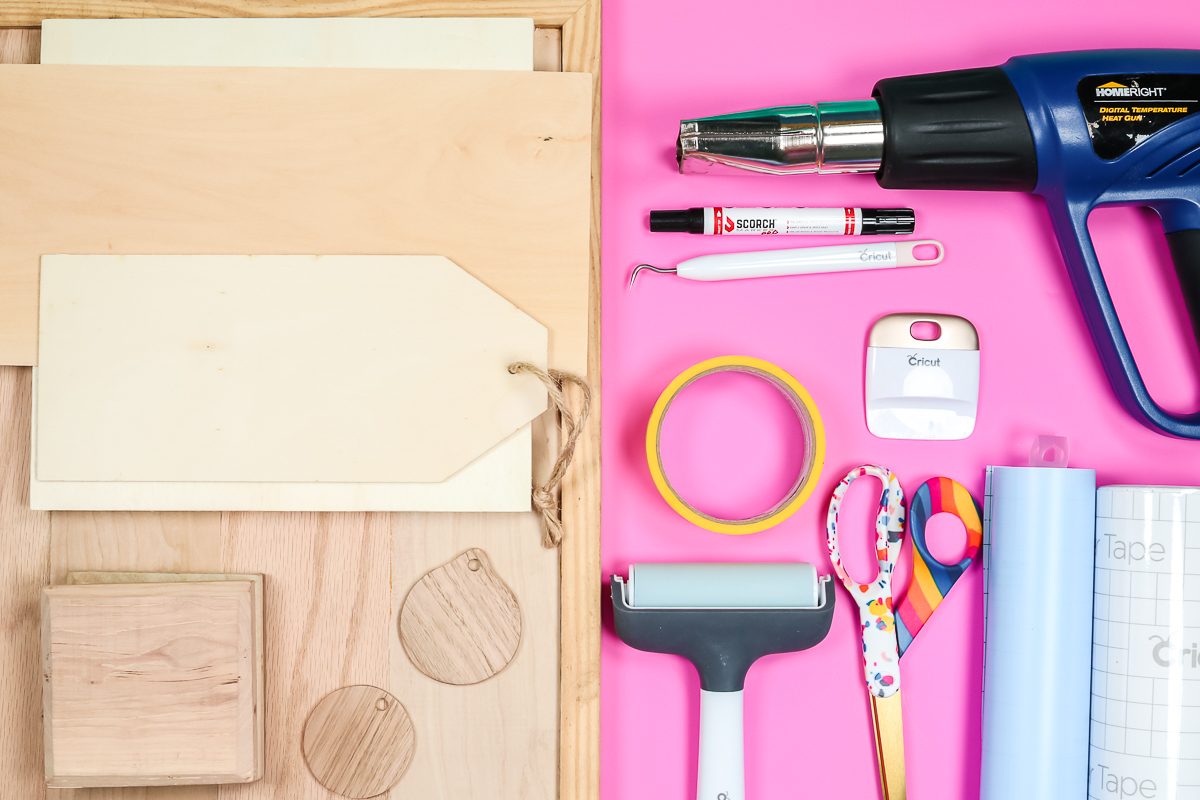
(1146, 641)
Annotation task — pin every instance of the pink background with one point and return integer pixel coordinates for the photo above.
(731, 445)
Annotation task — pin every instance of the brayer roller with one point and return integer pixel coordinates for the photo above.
(1083, 129)
(722, 618)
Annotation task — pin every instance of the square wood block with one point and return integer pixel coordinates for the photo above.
(152, 683)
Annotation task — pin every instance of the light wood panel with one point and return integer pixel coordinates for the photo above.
(579, 732)
(494, 740)
(358, 741)
(20, 45)
(327, 625)
(24, 540)
(150, 684)
(176, 542)
(88, 577)
(207, 368)
(300, 161)
(30, 13)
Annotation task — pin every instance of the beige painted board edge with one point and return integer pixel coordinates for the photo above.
(31, 13)
(498, 43)
(260, 728)
(123, 782)
(496, 481)
(579, 730)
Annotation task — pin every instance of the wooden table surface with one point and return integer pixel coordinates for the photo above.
(329, 624)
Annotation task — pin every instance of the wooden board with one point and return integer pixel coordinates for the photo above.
(31, 13)
(505, 167)
(496, 481)
(494, 740)
(460, 624)
(376, 43)
(150, 684)
(77, 578)
(182, 542)
(204, 368)
(358, 741)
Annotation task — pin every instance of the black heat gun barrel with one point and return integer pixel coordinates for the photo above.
(951, 130)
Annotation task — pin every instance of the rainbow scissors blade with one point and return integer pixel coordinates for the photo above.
(889, 628)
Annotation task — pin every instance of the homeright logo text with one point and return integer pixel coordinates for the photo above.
(1114, 89)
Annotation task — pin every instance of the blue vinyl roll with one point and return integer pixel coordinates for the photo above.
(1038, 655)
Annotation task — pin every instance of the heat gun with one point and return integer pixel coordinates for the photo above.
(1080, 129)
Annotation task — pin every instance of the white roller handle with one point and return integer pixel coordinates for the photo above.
(807, 261)
(722, 747)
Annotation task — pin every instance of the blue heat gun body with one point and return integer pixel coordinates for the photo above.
(1160, 170)
(1081, 129)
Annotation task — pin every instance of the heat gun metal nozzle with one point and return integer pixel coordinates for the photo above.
(829, 137)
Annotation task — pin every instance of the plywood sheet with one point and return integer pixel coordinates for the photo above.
(151, 684)
(446, 43)
(496, 481)
(497, 738)
(275, 368)
(295, 161)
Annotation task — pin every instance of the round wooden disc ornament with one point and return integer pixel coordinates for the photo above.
(460, 624)
(358, 741)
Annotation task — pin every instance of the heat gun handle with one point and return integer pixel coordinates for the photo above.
(722, 747)
(1070, 224)
(1185, 253)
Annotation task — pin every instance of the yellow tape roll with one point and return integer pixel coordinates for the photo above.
(814, 444)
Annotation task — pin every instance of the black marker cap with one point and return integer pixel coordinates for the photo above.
(689, 221)
(888, 220)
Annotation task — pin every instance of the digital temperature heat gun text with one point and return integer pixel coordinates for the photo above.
(1082, 129)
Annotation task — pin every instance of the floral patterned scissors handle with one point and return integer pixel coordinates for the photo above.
(881, 655)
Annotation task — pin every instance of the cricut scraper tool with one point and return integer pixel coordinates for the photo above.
(922, 388)
(722, 618)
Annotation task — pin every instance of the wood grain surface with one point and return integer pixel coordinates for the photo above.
(30, 13)
(150, 684)
(460, 624)
(579, 687)
(260, 727)
(511, 156)
(187, 542)
(358, 741)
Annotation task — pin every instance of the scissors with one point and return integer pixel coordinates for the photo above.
(889, 628)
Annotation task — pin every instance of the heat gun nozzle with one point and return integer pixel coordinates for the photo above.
(829, 137)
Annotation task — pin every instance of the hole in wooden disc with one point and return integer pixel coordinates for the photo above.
(473, 565)
(382, 704)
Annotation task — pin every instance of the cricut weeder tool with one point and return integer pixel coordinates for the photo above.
(889, 628)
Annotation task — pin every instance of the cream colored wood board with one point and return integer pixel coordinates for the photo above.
(433, 43)
(327, 579)
(150, 684)
(498, 738)
(358, 741)
(89, 577)
(496, 481)
(296, 161)
(460, 624)
(31, 13)
(276, 368)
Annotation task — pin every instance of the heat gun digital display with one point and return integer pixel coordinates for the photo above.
(1080, 129)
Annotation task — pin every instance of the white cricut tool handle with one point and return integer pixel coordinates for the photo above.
(807, 260)
(722, 747)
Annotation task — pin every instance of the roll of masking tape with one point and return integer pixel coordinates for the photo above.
(810, 421)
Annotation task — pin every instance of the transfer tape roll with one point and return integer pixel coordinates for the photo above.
(810, 421)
